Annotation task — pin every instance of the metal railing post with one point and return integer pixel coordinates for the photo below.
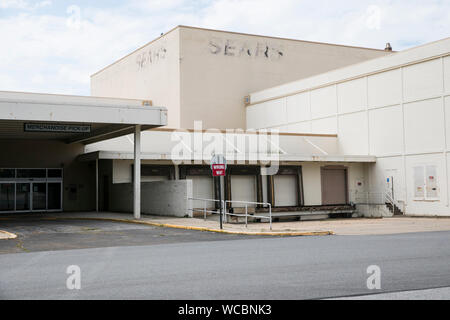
(204, 209)
(224, 216)
(225, 212)
(246, 216)
(270, 213)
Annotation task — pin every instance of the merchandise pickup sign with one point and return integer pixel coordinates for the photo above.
(54, 127)
(218, 170)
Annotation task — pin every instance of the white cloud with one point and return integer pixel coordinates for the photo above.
(13, 4)
(58, 52)
(43, 4)
(23, 4)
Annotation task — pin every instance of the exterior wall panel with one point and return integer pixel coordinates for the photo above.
(424, 126)
(352, 96)
(386, 134)
(276, 113)
(256, 116)
(298, 108)
(301, 127)
(422, 80)
(446, 62)
(353, 133)
(324, 126)
(323, 102)
(385, 89)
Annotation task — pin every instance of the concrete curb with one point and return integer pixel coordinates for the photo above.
(165, 225)
(9, 235)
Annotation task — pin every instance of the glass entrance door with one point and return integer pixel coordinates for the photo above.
(23, 199)
(54, 196)
(7, 197)
(31, 190)
(39, 196)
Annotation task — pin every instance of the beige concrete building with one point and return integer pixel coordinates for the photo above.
(395, 108)
(201, 74)
(363, 131)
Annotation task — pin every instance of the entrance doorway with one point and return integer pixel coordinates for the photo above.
(30, 190)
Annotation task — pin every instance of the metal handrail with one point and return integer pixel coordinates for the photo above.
(226, 213)
(246, 215)
(205, 211)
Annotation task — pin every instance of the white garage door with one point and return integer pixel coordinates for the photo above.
(243, 188)
(285, 190)
(202, 187)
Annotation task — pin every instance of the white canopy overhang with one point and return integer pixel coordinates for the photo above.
(77, 119)
(105, 118)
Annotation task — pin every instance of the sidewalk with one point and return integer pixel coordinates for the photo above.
(355, 226)
(209, 225)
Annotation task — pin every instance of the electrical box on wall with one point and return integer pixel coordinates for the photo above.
(247, 100)
(426, 183)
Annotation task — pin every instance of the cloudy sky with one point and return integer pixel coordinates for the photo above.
(55, 45)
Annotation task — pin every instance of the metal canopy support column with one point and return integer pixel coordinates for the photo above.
(96, 185)
(137, 172)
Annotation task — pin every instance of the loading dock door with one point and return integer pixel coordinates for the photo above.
(202, 187)
(243, 188)
(285, 190)
(334, 186)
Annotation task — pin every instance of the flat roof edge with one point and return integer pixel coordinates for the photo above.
(119, 155)
(74, 100)
(283, 38)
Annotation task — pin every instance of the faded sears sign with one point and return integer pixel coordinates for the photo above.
(245, 48)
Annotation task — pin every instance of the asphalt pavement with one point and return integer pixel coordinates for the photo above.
(233, 268)
(34, 235)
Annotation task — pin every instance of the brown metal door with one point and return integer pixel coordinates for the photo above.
(334, 186)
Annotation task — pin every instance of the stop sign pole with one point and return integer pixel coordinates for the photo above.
(219, 168)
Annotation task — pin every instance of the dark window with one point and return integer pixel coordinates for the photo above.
(7, 173)
(31, 173)
(55, 173)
